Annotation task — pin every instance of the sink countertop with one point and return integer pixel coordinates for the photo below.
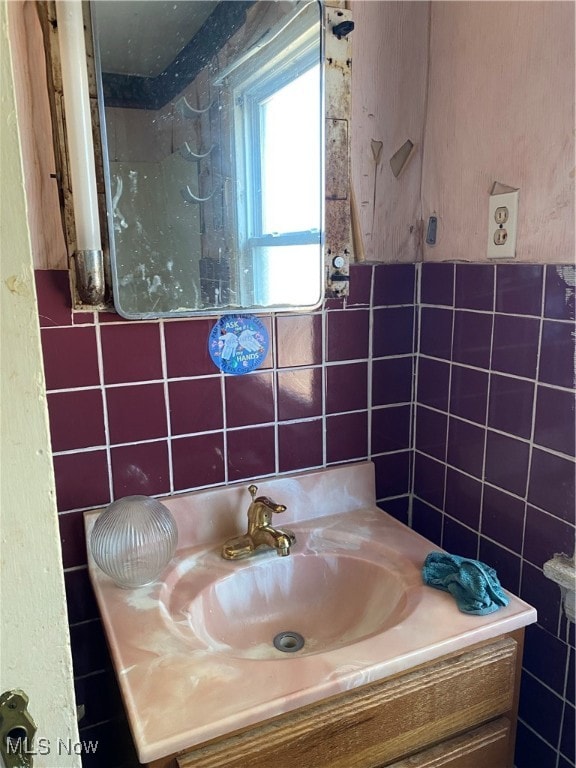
(179, 691)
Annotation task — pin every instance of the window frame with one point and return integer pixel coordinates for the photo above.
(248, 89)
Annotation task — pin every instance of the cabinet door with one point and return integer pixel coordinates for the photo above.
(380, 723)
(484, 746)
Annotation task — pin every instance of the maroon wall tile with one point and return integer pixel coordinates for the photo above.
(390, 428)
(507, 462)
(300, 445)
(546, 536)
(70, 357)
(551, 484)
(195, 405)
(72, 539)
(299, 339)
(555, 420)
(519, 288)
(539, 648)
(250, 452)
(392, 380)
(198, 461)
(465, 446)
(76, 419)
(393, 284)
(433, 383)
(398, 508)
(429, 479)
(459, 539)
(431, 432)
(249, 399)
(131, 352)
(101, 699)
(81, 480)
(472, 338)
(506, 564)
(560, 290)
(541, 709)
(437, 284)
(141, 468)
(543, 594)
(299, 393)
(392, 474)
(503, 518)
(469, 393)
(427, 521)
(567, 746)
(346, 387)
(348, 335)
(89, 650)
(511, 405)
(347, 437)
(80, 599)
(136, 413)
(187, 348)
(474, 286)
(53, 295)
(393, 332)
(515, 346)
(557, 354)
(436, 332)
(463, 497)
(360, 284)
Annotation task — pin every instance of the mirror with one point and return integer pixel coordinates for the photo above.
(211, 117)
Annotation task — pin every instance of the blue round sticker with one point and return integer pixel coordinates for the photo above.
(238, 343)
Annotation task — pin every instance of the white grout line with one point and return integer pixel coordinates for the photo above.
(488, 395)
(164, 363)
(107, 446)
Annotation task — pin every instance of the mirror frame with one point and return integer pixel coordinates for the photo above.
(338, 251)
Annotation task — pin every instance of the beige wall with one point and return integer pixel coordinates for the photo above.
(500, 108)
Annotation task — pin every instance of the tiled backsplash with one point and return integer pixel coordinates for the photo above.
(494, 457)
(139, 407)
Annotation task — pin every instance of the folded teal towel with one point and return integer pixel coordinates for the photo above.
(473, 584)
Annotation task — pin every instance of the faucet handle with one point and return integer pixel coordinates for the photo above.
(266, 501)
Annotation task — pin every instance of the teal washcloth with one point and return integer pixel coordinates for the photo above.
(473, 584)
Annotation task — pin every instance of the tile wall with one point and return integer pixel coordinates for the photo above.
(486, 443)
(494, 457)
(139, 408)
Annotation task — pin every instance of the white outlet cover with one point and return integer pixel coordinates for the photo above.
(509, 200)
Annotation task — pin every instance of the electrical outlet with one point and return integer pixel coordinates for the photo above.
(502, 225)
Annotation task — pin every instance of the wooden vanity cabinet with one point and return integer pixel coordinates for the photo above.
(458, 711)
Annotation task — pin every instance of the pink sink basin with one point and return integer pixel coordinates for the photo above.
(194, 653)
(328, 600)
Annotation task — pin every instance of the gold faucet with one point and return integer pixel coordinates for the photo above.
(260, 533)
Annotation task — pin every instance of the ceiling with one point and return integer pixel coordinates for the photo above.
(144, 36)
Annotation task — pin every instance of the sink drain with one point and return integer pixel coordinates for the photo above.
(289, 642)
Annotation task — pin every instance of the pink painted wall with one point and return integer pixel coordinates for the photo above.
(390, 60)
(484, 89)
(486, 92)
(500, 108)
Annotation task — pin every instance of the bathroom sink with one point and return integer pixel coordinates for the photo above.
(326, 600)
(194, 652)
